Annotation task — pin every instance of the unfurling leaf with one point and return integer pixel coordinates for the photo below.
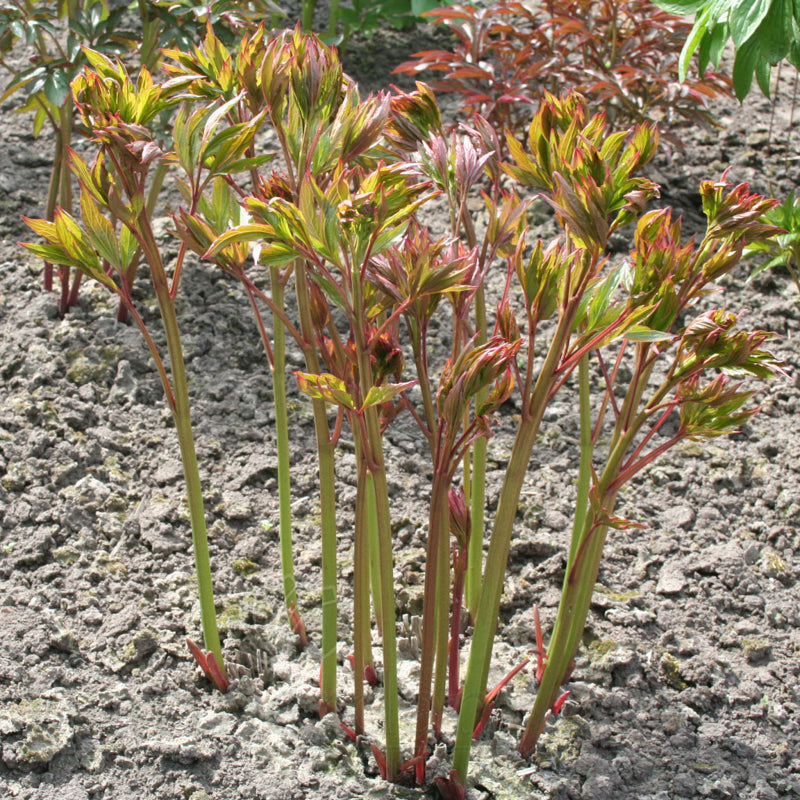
(325, 387)
(378, 395)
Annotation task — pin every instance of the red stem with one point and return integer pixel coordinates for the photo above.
(459, 571)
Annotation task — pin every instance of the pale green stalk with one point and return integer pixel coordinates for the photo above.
(477, 483)
(374, 560)
(69, 296)
(307, 12)
(435, 594)
(53, 189)
(588, 540)
(558, 658)
(576, 596)
(442, 608)
(182, 415)
(475, 457)
(148, 50)
(327, 493)
(587, 450)
(278, 369)
(390, 686)
(361, 578)
(333, 18)
(497, 557)
(373, 451)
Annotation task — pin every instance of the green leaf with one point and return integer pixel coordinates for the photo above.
(745, 17)
(377, 395)
(101, 232)
(38, 120)
(244, 233)
(419, 7)
(774, 33)
(743, 67)
(763, 71)
(53, 253)
(246, 164)
(719, 38)
(325, 387)
(85, 176)
(44, 228)
(640, 333)
(682, 7)
(794, 54)
(701, 29)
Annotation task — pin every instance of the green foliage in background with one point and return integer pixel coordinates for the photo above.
(763, 32)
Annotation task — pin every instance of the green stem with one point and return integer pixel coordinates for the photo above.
(477, 496)
(499, 543)
(374, 560)
(148, 50)
(183, 425)
(308, 15)
(69, 294)
(568, 616)
(390, 687)
(438, 530)
(278, 369)
(586, 548)
(51, 203)
(327, 493)
(486, 621)
(442, 609)
(333, 18)
(129, 275)
(576, 596)
(361, 565)
(587, 451)
(373, 451)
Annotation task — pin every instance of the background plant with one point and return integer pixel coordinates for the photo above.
(183, 23)
(363, 17)
(621, 55)
(783, 249)
(763, 33)
(56, 32)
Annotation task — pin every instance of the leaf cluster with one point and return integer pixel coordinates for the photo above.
(622, 55)
(783, 249)
(763, 33)
(58, 55)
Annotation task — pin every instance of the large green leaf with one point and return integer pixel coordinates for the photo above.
(743, 68)
(702, 26)
(681, 6)
(775, 32)
(746, 16)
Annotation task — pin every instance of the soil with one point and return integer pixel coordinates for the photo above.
(687, 683)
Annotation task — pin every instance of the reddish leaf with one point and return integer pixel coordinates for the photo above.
(349, 732)
(370, 675)
(217, 676)
(200, 658)
(451, 787)
(380, 757)
(559, 704)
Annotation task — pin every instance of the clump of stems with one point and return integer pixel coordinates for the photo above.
(338, 223)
